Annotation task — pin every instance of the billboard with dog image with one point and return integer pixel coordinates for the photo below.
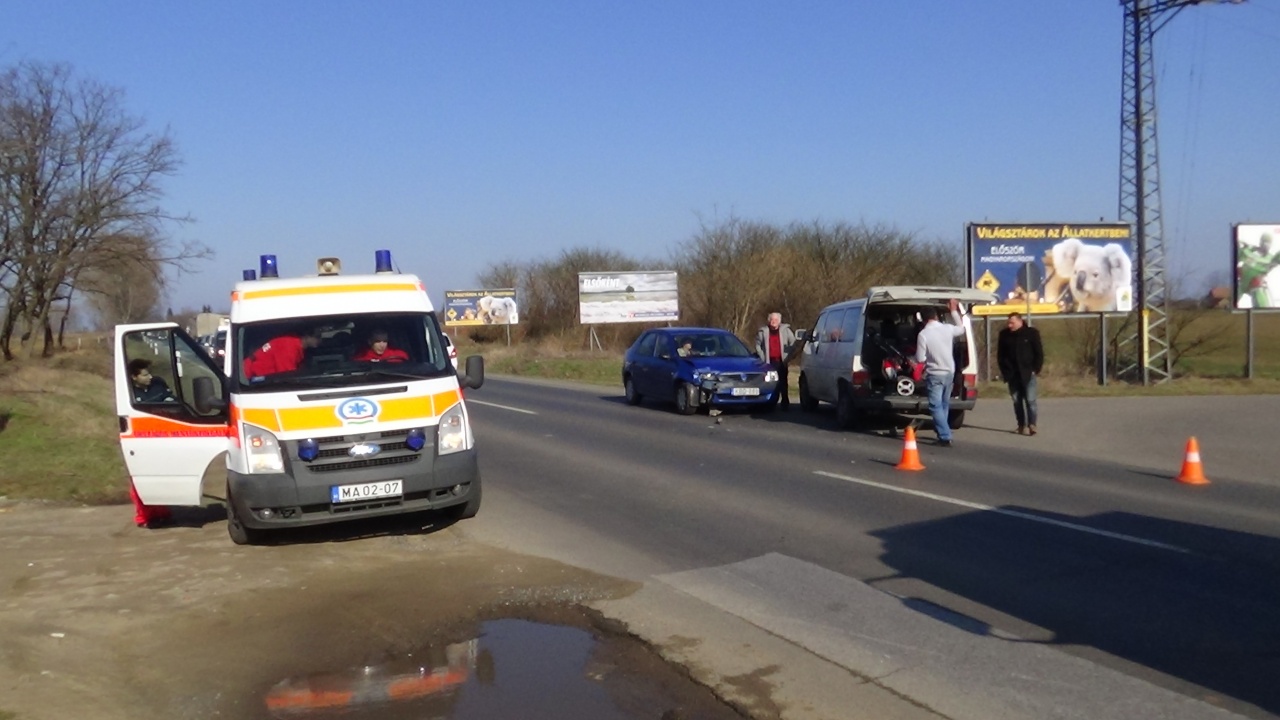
(623, 297)
(1257, 249)
(1052, 268)
(480, 307)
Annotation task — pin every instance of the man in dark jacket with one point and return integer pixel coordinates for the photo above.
(1020, 356)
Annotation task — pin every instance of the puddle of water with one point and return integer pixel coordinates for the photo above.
(514, 669)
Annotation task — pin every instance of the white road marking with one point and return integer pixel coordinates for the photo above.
(504, 407)
(1009, 513)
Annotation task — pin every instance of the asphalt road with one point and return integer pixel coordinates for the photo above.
(1064, 575)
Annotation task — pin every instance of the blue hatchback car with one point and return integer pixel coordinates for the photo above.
(697, 367)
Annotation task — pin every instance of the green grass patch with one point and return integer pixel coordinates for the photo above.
(60, 439)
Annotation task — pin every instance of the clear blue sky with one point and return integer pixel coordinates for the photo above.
(460, 133)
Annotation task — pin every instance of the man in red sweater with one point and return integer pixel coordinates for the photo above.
(380, 351)
(280, 354)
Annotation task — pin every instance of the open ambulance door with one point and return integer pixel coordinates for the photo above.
(167, 443)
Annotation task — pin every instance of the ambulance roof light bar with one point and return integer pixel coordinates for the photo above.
(269, 269)
(250, 275)
(382, 261)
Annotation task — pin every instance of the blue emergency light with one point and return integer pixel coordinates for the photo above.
(250, 275)
(382, 261)
(308, 450)
(269, 267)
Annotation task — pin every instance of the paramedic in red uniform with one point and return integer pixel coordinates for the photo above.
(380, 351)
(281, 354)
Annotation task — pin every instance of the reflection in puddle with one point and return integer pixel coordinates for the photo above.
(515, 668)
(373, 686)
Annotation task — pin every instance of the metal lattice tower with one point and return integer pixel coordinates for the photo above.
(1140, 185)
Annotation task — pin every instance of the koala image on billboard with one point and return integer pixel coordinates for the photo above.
(481, 307)
(1052, 268)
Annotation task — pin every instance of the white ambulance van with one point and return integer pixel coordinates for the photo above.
(336, 400)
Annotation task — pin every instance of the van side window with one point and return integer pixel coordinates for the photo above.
(833, 332)
(820, 327)
(849, 326)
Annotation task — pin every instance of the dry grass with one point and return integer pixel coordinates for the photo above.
(59, 439)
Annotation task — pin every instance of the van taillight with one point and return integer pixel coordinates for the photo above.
(860, 377)
(970, 386)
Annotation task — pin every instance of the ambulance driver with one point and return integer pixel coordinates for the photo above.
(380, 351)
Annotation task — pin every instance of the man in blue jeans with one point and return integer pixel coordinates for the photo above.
(935, 347)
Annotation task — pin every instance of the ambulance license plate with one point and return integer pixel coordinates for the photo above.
(366, 491)
(746, 391)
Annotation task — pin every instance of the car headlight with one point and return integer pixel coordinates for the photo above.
(262, 450)
(704, 374)
(451, 434)
(771, 376)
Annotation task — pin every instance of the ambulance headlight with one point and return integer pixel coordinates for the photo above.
(262, 450)
(451, 435)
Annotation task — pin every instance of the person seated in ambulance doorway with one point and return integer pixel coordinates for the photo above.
(146, 387)
(379, 350)
(281, 354)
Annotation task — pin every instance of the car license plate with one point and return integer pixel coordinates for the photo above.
(366, 491)
(746, 391)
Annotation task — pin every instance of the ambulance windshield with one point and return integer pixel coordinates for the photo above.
(338, 351)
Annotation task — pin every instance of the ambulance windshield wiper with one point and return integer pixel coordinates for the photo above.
(397, 375)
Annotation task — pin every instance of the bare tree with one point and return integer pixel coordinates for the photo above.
(80, 189)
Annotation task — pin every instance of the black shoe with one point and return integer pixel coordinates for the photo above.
(944, 443)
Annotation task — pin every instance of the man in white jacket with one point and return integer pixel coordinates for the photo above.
(935, 347)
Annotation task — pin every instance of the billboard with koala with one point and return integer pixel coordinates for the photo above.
(1257, 266)
(1052, 268)
(622, 297)
(480, 307)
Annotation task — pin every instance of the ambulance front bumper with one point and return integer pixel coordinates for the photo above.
(312, 493)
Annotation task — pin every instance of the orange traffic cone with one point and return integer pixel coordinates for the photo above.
(910, 453)
(1192, 471)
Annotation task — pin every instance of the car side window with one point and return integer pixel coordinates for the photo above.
(820, 327)
(849, 326)
(833, 332)
(646, 345)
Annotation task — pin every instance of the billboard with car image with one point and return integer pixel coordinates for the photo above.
(1052, 268)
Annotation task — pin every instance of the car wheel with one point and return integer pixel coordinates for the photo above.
(685, 404)
(955, 419)
(808, 403)
(847, 416)
(240, 535)
(629, 388)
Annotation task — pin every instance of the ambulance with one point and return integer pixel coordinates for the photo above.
(310, 422)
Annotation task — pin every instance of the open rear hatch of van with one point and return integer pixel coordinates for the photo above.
(925, 295)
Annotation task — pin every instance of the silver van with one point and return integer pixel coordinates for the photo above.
(859, 354)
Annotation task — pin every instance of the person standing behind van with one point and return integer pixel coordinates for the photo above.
(935, 347)
(1020, 357)
(773, 343)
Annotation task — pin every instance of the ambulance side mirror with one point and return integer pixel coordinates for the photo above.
(474, 376)
(206, 398)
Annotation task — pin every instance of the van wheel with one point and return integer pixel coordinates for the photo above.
(847, 416)
(685, 404)
(240, 535)
(955, 419)
(808, 403)
(629, 389)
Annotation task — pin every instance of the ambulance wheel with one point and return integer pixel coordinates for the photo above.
(239, 534)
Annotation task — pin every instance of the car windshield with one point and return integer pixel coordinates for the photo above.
(710, 344)
(338, 351)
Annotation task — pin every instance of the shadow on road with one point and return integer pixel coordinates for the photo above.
(1210, 616)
